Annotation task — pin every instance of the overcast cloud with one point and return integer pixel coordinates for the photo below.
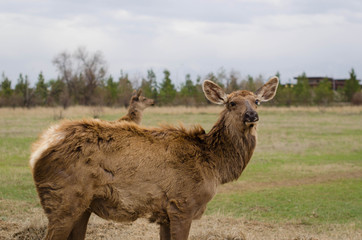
(320, 37)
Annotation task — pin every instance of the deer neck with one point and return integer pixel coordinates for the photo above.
(231, 148)
(134, 114)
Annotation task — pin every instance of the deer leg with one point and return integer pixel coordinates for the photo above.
(58, 230)
(180, 228)
(71, 227)
(180, 220)
(67, 220)
(80, 227)
(165, 231)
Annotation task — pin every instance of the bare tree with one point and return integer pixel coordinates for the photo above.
(63, 63)
(82, 72)
(92, 67)
(232, 82)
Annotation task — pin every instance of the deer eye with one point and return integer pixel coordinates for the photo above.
(257, 102)
(232, 104)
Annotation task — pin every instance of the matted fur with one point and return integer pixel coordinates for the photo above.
(122, 171)
(49, 138)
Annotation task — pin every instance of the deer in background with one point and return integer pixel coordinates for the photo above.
(122, 171)
(137, 104)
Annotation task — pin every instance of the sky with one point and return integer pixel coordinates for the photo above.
(252, 37)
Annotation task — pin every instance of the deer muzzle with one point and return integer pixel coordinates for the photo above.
(251, 117)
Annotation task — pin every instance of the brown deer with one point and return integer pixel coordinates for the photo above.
(122, 171)
(137, 104)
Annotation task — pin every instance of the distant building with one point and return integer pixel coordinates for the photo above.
(335, 83)
(338, 83)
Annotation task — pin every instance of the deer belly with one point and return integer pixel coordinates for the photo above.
(117, 211)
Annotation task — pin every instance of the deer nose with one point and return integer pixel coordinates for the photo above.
(251, 116)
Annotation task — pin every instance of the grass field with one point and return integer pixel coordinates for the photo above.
(306, 170)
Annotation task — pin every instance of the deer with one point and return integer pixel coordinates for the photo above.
(123, 171)
(137, 104)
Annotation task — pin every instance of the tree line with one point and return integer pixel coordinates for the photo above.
(83, 80)
(302, 93)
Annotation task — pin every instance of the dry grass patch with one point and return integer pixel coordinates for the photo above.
(75, 111)
(316, 109)
(208, 228)
(16, 210)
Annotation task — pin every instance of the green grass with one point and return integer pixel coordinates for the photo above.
(16, 180)
(335, 202)
(307, 167)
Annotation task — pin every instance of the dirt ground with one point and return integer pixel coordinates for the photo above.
(33, 226)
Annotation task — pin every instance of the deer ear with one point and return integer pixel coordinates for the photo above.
(268, 90)
(139, 92)
(134, 93)
(214, 93)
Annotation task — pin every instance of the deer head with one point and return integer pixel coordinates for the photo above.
(240, 106)
(140, 102)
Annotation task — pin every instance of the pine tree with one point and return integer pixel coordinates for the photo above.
(149, 86)
(351, 86)
(6, 90)
(285, 93)
(324, 92)
(302, 90)
(41, 90)
(112, 91)
(233, 82)
(188, 91)
(250, 86)
(167, 89)
(58, 90)
(277, 74)
(125, 89)
(23, 91)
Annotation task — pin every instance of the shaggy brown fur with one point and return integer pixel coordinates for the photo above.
(137, 104)
(122, 171)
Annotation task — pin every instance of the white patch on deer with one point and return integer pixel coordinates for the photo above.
(51, 137)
